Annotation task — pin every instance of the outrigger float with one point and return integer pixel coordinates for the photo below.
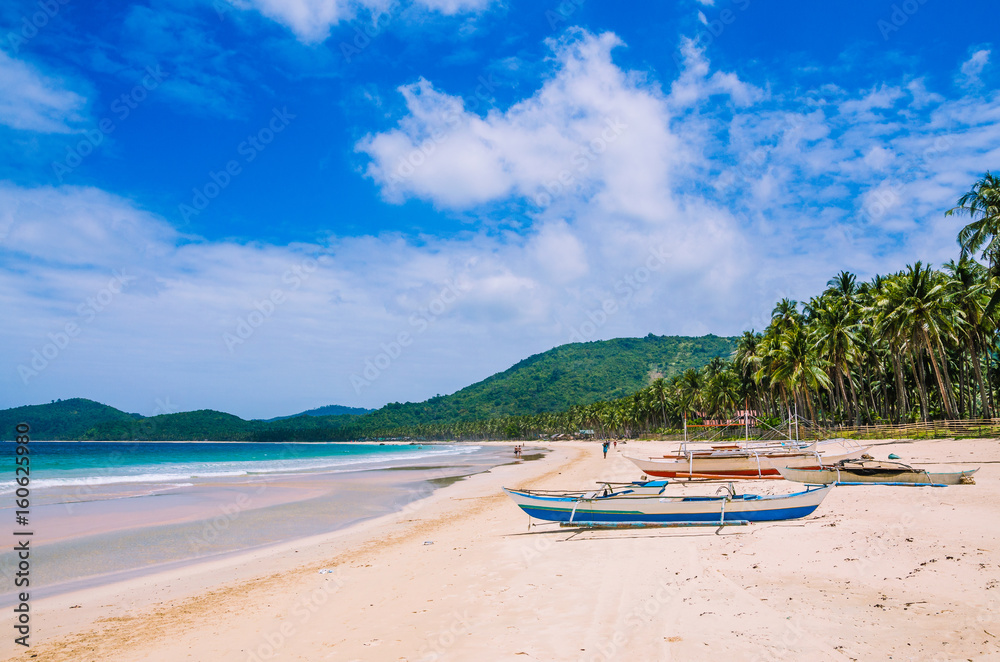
(631, 508)
(876, 472)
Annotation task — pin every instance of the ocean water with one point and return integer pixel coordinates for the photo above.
(88, 464)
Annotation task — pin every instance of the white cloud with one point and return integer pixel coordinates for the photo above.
(973, 67)
(921, 97)
(32, 101)
(451, 7)
(592, 130)
(695, 85)
(881, 97)
(311, 20)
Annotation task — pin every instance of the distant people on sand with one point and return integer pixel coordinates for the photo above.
(616, 443)
(517, 451)
(604, 447)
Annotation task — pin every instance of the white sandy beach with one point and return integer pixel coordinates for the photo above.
(876, 572)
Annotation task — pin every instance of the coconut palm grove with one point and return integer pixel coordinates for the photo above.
(917, 345)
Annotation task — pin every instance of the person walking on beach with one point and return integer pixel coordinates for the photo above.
(604, 447)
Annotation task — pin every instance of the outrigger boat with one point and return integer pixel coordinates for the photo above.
(624, 509)
(875, 472)
(746, 461)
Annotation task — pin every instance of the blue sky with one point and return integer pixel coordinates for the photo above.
(262, 207)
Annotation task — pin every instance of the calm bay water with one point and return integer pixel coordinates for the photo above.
(88, 464)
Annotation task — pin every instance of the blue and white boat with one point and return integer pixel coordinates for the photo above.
(632, 508)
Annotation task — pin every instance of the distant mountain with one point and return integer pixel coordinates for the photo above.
(328, 410)
(556, 380)
(61, 419)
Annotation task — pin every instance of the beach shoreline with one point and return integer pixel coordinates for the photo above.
(98, 533)
(876, 571)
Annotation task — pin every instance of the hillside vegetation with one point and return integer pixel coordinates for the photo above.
(63, 419)
(561, 378)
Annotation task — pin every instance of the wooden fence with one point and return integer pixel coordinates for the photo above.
(983, 428)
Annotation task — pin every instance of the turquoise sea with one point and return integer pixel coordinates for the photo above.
(88, 464)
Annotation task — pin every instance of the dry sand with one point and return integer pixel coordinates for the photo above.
(876, 573)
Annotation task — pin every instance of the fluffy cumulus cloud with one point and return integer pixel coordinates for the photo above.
(311, 20)
(681, 212)
(33, 101)
(758, 193)
(592, 131)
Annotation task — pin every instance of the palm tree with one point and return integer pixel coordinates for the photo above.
(969, 285)
(722, 392)
(798, 367)
(835, 340)
(785, 314)
(843, 285)
(916, 311)
(659, 392)
(982, 204)
(688, 393)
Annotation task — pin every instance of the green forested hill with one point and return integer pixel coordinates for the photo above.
(568, 375)
(328, 410)
(64, 419)
(556, 380)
